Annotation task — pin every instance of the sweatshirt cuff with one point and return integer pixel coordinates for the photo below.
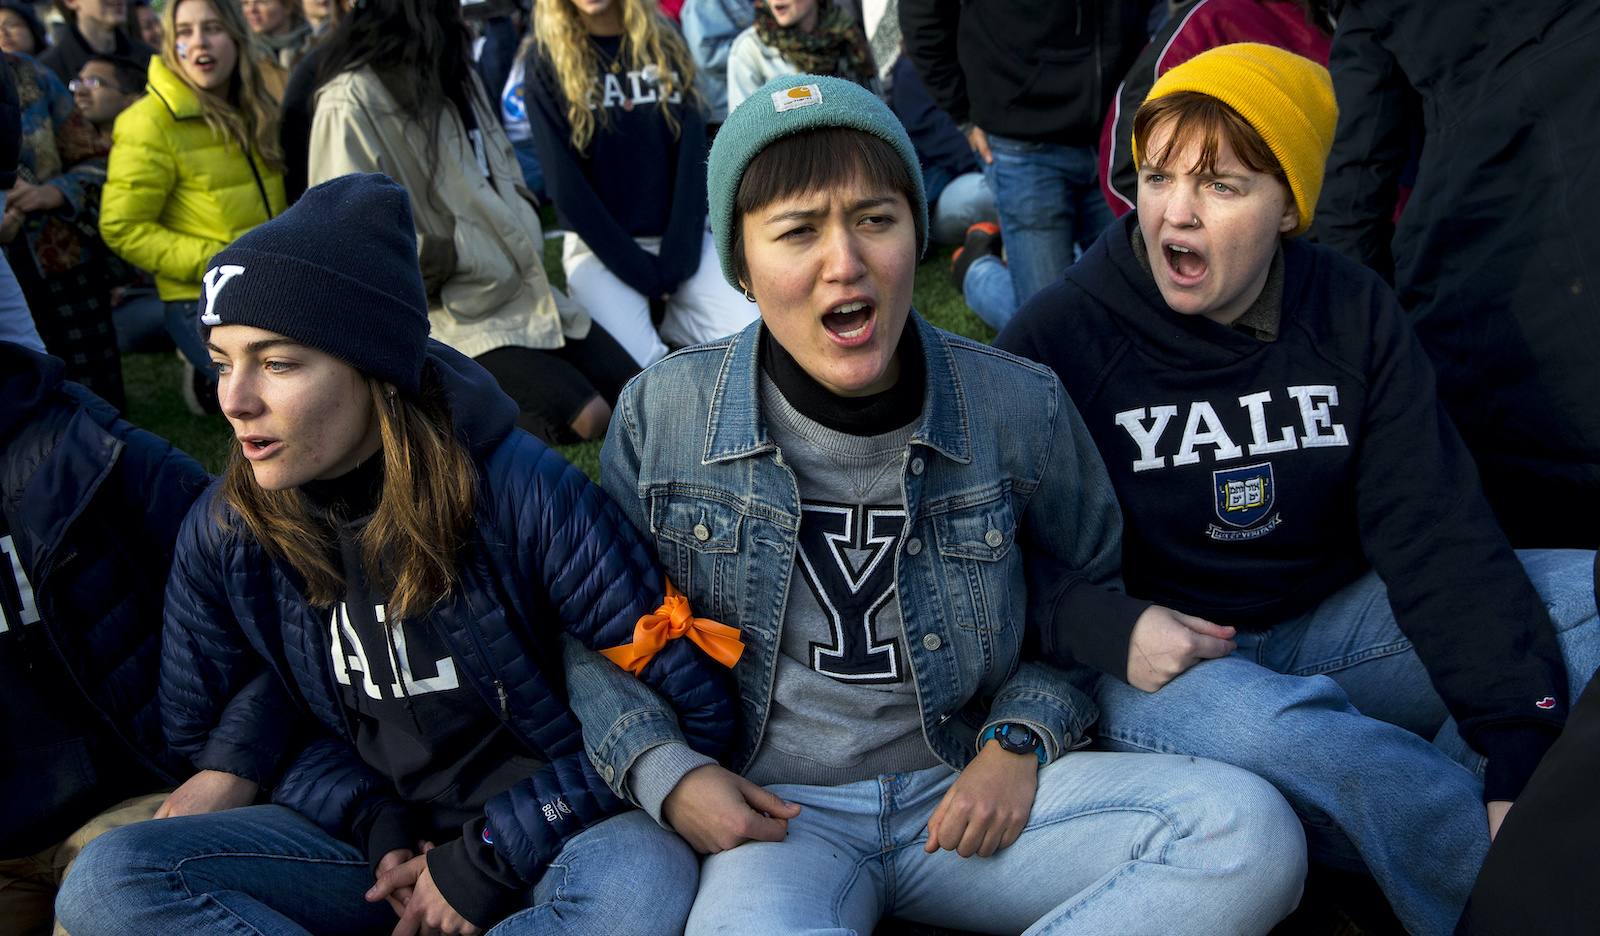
(388, 830)
(1514, 752)
(471, 892)
(656, 772)
(1092, 625)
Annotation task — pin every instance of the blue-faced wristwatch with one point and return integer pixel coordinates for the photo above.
(1016, 738)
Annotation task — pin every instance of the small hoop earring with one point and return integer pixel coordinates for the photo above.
(748, 297)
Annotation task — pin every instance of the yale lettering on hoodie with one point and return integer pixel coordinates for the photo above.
(1202, 428)
(351, 658)
(25, 607)
(632, 88)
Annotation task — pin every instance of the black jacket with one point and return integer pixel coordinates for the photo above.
(70, 53)
(1492, 257)
(1041, 70)
(92, 508)
(10, 129)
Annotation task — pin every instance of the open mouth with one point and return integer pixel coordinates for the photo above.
(850, 321)
(256, 447)
(203, 61)
(1187, 263)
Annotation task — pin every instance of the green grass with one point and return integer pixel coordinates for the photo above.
(153, 380)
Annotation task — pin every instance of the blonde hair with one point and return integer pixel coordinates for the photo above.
(246, 111)
(647, 39)
(423, 518)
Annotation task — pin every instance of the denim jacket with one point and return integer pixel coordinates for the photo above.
(999, 464)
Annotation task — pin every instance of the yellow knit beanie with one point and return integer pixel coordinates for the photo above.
(1287, 98)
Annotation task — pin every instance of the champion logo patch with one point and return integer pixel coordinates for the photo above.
(486, 839)
(1548, 702)
(215, 279)
(803, 96)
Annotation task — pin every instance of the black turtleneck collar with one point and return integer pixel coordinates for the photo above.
(350, 496)
(871, 415)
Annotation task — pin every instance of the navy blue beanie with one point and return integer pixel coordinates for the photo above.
(336, 272)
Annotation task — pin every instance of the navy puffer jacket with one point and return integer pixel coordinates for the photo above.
(550, 554)
(92, 506)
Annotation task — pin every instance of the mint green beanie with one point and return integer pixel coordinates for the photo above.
(789, 105)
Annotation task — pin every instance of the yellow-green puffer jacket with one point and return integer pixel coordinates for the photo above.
(175, 193)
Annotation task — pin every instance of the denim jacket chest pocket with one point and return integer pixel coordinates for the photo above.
(698, 535)
(976, 541)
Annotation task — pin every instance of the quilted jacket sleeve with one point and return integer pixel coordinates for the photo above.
(600, 578)
(223, 707)
(141, 175)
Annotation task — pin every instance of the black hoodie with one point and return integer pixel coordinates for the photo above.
(1257, 478)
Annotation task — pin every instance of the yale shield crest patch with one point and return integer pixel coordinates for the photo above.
(1244, 500)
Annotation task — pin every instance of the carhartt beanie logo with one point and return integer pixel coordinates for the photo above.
(788, 105)
(336, 272)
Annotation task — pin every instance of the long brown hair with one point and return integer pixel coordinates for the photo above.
(246, 111)
(424, 514)
(648, 39)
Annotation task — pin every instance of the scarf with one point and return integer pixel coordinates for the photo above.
(836, 40)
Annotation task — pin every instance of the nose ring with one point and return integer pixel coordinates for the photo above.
(1194, 220)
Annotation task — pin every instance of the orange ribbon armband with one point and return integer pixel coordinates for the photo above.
(670, 621)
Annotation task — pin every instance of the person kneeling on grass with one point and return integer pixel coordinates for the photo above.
(856, 490)
(1338, 587)
(388, 544)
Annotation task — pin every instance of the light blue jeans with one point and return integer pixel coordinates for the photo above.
(1335, 709)
(183, 324)
(1050, 207)
(268, 870)
(1116, 843)
(962, 202)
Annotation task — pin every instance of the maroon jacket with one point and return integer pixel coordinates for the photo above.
(1205, 25)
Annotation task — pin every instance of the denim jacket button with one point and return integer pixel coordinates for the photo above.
(610, 772)
(916, 466)
(913, 546)
(701, 532)
(931, 641)
(993, 538)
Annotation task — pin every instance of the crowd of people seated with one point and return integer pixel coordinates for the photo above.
(1261, 538)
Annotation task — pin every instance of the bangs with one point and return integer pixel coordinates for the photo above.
(816, 161)
(1200, 117)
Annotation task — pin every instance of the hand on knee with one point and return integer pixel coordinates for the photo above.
(1165, 643)
(987, 806)
(714, 809)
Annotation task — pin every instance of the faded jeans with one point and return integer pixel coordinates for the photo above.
(268, 870)
(1115, 843)
(1335, 708)
(1050, 208)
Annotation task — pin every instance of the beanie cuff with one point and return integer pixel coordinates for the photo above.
(275, 291)
(1286, 98)
(785, 106)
